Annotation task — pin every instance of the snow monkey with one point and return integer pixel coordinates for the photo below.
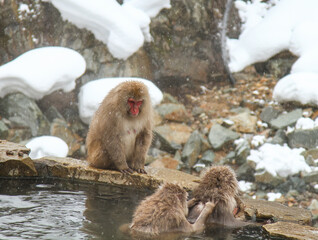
(219, 184)
(120, 132)
(165, 211)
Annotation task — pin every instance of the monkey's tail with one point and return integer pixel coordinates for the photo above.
(225, 54)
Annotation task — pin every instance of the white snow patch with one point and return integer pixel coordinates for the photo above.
(42, 71)
(245, 186)
(306, 123)
(275, 26)
(47, 146)
(279, 160)
(258, 140)
(92, 94)
(123, 28)
(273, 196)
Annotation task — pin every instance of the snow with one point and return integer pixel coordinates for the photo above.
(258, 140)
(271, 27)
(42, 71)
(273, 196)
(47, 146)
(306, 123)
(245, 186)
(279, 160)
(123, 28)
(93, 93)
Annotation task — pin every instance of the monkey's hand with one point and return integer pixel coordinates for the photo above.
(209, 206)
(126, 171)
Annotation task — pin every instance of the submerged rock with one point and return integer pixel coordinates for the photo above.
(291, 231)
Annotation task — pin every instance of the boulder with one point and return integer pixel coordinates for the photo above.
(192, 149)
(174, 132)
(173, 112)
(218, 136)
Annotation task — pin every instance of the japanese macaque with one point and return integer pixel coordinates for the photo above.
(220, 185)
(165, 211)
(120, 132)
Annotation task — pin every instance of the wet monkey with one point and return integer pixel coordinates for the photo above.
(120, 132)
(219, 184)
(165, 211)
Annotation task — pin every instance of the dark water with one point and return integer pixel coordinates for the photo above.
(54, 209)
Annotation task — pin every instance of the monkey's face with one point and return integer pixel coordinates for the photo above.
(134, 106)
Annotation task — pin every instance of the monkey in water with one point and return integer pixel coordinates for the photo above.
(219, 184)
(120, 132)
(165, 211)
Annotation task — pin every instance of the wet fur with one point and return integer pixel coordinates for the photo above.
(117, 140)
(165, 212)
(220, 185)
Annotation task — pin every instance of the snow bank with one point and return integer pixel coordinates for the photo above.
(47, 146)
(42, 71)
(279, 160)
(93, 93)
(123, 28)
(269, 28)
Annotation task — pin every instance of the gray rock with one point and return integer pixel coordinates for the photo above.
(286, 119)
(208, 157)
(4, 130)
(51, 113)
(311, 177)
(174, 132)
(306, 138)
(173, 112)
(280, 137)
(196, 111)
(246, 172)
(268, 114)
(168, 98)
(163, 144)
(23, 112)
(192, 149)
(292, 183)
(266, 178)
(242, 150)
(218, 136)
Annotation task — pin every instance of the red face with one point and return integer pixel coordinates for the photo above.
(134, 106)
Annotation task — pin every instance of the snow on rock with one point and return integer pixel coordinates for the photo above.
(244, 186)
(273, 196)
(123, 28)
(306, 123)
(42, 71)
(279, 160)
(301, 87)
(47, 146)
(93, 93)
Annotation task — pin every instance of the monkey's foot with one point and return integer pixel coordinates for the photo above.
(141, 170)
(126, 171)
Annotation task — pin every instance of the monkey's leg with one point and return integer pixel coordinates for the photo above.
(199, 224)
(143, 141)
(115, 150)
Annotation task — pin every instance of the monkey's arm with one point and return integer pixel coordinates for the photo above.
(199, 224)
(143, 141)
(192, 202)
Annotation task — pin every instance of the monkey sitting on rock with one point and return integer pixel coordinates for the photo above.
(165, 211)
(220, 185)
(120, 132)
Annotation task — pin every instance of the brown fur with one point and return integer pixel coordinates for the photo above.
(116, 139)
(219, 184)
(165, 211)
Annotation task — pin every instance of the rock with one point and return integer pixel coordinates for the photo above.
(51, 113)
(310, 156)
(266, 178)
(196, 111)
(165, 162)
(218, 136)
(292, 183)
(311, 177)
(286, 119)
(15, 161)
(173, 112)
(313, 207)
(291, 231)
(163, 144)
(306, 138)
(244, 122)
(23, 112)
(192, 149)
(74, 169)
(242, 151)
(157, 119)
(174, 132)
(268, 114)
(280, 137)
(4, 130)
(261, 209)
(208, 157)
(19, 135)
(168, 98)
(246, 172)
(60, 129)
